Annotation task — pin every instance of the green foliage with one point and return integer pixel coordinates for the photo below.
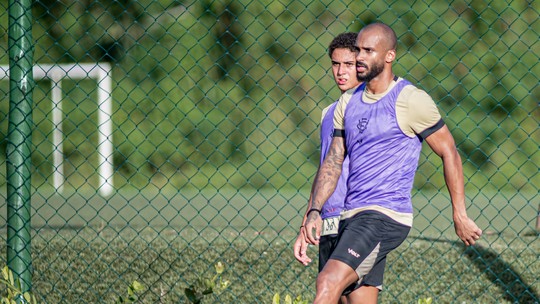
(205, 286)
(132, 291)
(207, 92)
(288, 299)
(14, 291)
(16, 296)
(425, 300)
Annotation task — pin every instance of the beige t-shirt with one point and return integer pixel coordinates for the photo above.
(415, 109)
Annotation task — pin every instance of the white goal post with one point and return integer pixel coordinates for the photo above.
(101, 72)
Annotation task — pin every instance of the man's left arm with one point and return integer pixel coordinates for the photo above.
(442, 143)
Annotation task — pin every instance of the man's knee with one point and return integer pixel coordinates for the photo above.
(327, 280)
(335, 276)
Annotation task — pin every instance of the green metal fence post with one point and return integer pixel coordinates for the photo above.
(18, 160)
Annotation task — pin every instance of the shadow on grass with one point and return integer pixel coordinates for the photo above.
(499, 272)
(502, 274)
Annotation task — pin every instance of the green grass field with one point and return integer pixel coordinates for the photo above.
(496, 212)
(88, 249)
(96, 266)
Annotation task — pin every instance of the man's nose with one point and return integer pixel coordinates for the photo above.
(359, 56)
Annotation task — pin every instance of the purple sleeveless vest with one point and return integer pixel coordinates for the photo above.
(383, 160)
(334, 205)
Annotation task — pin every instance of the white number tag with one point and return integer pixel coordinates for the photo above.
(330, 225)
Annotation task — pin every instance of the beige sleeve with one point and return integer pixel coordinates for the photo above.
(339, 112)
(324, 111)
(416, 111)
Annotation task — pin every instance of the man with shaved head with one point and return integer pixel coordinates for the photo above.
(380, 127)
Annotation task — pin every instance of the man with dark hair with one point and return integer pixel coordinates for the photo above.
(380, 126)
(342, 53)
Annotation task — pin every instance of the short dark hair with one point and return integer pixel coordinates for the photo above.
(343, 41)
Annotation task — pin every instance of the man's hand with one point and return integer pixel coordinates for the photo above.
(467, 230)
(300, 248)
(313, 227)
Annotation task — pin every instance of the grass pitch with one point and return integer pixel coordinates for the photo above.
(88, 249)
(96, 264)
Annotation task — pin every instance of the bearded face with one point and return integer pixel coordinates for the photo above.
(368, 72)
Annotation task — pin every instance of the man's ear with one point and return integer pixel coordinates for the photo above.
(390, 56)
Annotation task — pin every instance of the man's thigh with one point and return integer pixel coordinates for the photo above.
(365, 240)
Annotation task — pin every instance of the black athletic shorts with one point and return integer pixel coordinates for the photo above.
(364, 241)
(327, 243)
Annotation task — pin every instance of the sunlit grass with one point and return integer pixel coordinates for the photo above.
(95, 264)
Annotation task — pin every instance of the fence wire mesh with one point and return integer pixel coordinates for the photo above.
(172, 135)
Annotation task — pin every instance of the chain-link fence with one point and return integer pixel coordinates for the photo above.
(168, 136)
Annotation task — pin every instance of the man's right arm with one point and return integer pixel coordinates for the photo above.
(324, 185)
(442, 143)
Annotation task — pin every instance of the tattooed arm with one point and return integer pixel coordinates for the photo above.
(323, 187)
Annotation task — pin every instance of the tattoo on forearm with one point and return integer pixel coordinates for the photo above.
(328, 175)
